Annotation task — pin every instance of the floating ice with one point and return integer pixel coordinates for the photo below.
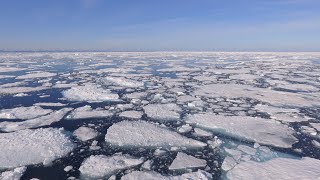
(151, 175)
(36, 122)
(278, 168)
(263, 131)
(228, 163)
(101, 166)
(17, 90)
(144, 134)
(23, 112)
(48, 104)
(316, 126)
(131, 114)
(86, 112)
(36, 75)
(90, 93)
(36, 146)
(184, 161)
(124, 82)
(14, 174)
(85, 133)
(163, 112)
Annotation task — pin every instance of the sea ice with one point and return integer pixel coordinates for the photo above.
(277, 168)
(163, 112)
(14, 174)
(27, 147)
(36, 75)
(263, 131)
(90, 93)
(144, 134)
(45, 120)
(23, 112)
(151, 175)
(184, 161)
(131, 114)
(124, 82)
(101, 166)
(86, 112)
(85, 133)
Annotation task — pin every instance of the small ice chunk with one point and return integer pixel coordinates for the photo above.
(184, 128)
(14, 174)
(277, 168)
(145, 134)
(90, 93)
(48, 104)
(316, 126)
(101, 166)
(68, 168)
(247, 149)
(201, 133)
(163, 112)
(27, 147)
(85, 133)
(184, 161)
(146, 165)
(131, 114)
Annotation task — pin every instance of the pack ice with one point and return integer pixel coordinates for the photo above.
(163, 112)
(262, 131)
(151, 175)
(27, 147)
(145, 134)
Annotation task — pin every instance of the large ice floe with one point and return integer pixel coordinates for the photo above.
(144, 134)
(38, 146)
(86, 112)
(277, 168)
(255, 129)
(14, 174)
(123, 82)
(101, 166)
(151, 175)
(23, 112)
(44, 120)
(91, 93)
(163, 112)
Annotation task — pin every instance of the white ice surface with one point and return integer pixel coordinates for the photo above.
(144, 134)
(36, 75)
(278, 168)
(23, 112)
(45, 120)
(131, 114)
(36, 146)
(14, 174)
(120, 81)
(163, 112)
(89, 92)
(184, 161)
(263, 131)
(152, 175)
(86, 112)
(85, 133)
(101, 166)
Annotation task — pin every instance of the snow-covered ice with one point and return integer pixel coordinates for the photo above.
(85, 133)
(101, 166)
(152, 175)
(163, 112)
(14, 174)
(27, 147)
(86, 112)
(144, 134)
(184, 161)
(264, 131)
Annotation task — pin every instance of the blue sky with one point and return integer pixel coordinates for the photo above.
(142, 25)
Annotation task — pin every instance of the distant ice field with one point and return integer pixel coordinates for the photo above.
(159, 115)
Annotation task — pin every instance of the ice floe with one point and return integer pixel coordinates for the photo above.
(86, 112)
(89, 92)
(45, 120)
(36, 146)
(131, 114)
(264, 131)
(184, 161)
(23, 112)
(163, 112)
(14, 174)
(37, 75)
(151, 175)
(144, 134)
(85, 133)
(124, 82)
(101, 166)
(278, 168)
